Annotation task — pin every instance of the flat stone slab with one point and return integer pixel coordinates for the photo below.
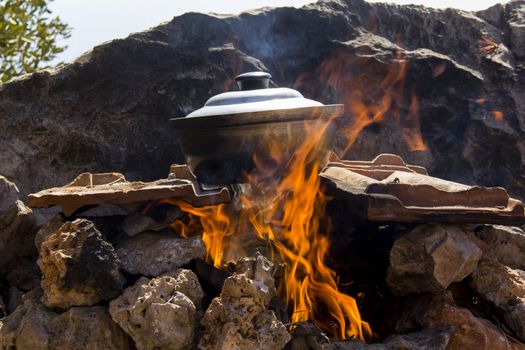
(113, 188)
(386, 189)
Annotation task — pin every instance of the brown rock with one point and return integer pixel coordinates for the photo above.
(156, 314)
(32, 327)
(239, 318)
(429, 258)
(469, 332)
(78, 267)
(48, 229)
(153, 253)
(507, 243)
(505, 288)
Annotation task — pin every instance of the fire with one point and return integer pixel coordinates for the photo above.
(284, 205)
(497, 115)
(369, 100)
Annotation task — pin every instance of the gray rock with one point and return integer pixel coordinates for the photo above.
(17, 225)
(505, 288)
(506, 243)
(78, 267)
(33, 326)
(138, 222)
(66, 121)
(239, 317)
(430, 257)
(428, 339)
(48, 229)
(157, 314)
(103, 210)
(153, 254)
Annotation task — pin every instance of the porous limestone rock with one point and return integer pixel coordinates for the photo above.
(48, 229)
(507, 243)
(17, 224)
(155, 253)
(157, 313)
(78, 266)
(34, 327)
(239, 318)
(430, 257)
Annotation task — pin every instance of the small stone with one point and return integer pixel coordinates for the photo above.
(33, 326)
(239, 318)
(160, 219)
(429, 258)
(507, 243)
(78, 267)
(157, 314)
(154, 254)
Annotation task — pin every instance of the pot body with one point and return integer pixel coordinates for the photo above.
(225, 155)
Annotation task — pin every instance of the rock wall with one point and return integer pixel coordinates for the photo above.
(109, 109)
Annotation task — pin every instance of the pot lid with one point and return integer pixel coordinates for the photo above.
(256, 103)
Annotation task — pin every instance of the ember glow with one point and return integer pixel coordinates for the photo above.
(283, 205)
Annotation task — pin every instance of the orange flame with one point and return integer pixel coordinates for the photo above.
(284, 205)
(367, 100)
(497, 115)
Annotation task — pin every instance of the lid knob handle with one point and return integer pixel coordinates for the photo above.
(253, 80)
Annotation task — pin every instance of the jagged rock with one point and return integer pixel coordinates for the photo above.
(32, 326)
(239, 318)
(334, 58)
(506, 243)
(428, 339)
(429, 258)
(505, 288)
(138, 222)
(17, 224)
(78, 267)
(157, 314)
(153, 254)
(469, 332)
(48, 229)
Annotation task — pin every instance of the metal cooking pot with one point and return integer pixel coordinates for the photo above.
(220, 139)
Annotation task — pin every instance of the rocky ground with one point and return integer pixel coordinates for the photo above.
(122, 277)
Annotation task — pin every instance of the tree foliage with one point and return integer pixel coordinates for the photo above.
(28, 36)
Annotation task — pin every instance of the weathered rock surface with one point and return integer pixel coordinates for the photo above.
(17, 224)
(157, 313)
(33, 327)
(156, 253)
(505, 288)
(430, 257)
(78, 267)
(469, 332)
(138, 222)
(506, 243)
(63, 122)
(239, 318)
(429, 339)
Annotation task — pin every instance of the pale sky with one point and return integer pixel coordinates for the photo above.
(96, 21)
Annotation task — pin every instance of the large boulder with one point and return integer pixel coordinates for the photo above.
(458, 110)
(78, 266)
(34, 327)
